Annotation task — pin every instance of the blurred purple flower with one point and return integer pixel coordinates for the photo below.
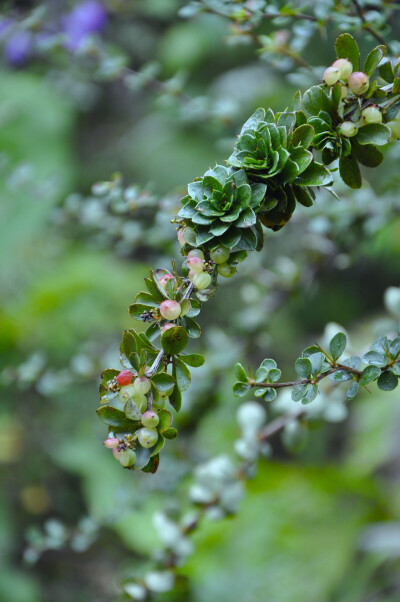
(18, 48)
(86, 18)
(5, 24)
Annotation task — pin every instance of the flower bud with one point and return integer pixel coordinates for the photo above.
(142, 385)
(344, 66)
(395, 128)
(164, 279)
(127, 458)
(170, 310)
(181, 239)
(220, 254)
(124, 378)
(358, 82)
(111, 442)
(372, 115)
(196, 253)
(348, 129)
(226, 270)
(202, 280)
(147, 437)
(150, 419)
(195, 264)
(331, 75)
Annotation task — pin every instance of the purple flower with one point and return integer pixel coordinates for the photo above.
(5, 24)
(86, 18)
(18, 48)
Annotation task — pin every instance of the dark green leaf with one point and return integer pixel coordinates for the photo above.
(303, 367)
(373, 133)
(337, 345)
(369, 374)
(170, 433)
(386, 71)
(240, 389)
(352, 390)
(175, 399)
(193, 329)
(367, 154)
(310, 395)
(164, 382)
(174, 340)
(387, 381)
(195, 360)
(373, 59)
(316, 174)
(165, 420)
(350, 171)
(182, 375)
(240, 373)
(137, 309)
(116, 418)
(346, 48)
(128, 344)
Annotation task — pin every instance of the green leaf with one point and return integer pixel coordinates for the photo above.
(387, 381)
(303, 367)
(195, 360)
(142, 457)
(155, 290)
(346, 48)
(132, 411)
(373, 59)
(107, 375)
(152, 465)
(240, 389)
(310, 395)
(369, 374)
(350, 171)
(165, 420)
(303, 135)
(270, 394)
(248, 240)
(117, 419)
(146, 299)
(373, 133)
(316, 100)
(182, 375)
(163, 382)
(337, 345)
(174, 340)
(341, 376)
(316, 174)
(128, 344)
(298, 392)
(367, 154)
(137, 309)
(193, 329)
(170, 433)
(240, 373)
(386, 71)
(352, 390)
(274, 375)
(175, 399)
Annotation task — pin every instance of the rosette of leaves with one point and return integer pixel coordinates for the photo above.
(221, 207)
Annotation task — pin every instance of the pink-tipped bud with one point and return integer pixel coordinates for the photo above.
(331, 76)
(195, 264)
(358, 82)
(170, 310)
(165, 279)
(167, 326)
(344, 66)
(182, 241)
(124, 378)
(111, 442)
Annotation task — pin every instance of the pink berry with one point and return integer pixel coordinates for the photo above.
(124, 378)
(170, 310)
(196, 253)
(167, 326)
(111, 442)
(181, 239)
(150, 419)
(164, 279)
(345, 67)
(358, 82)
(195, 264)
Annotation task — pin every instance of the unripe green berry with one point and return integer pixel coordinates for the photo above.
(202, 280)
(226, 270)
(147, 437)
(220, 254)
(344, 66)
(127, 458)
(395, 128)
(331, 75)
(358, 82)
(170, 310)
(159, 404)
(150, 419)
(348, 129)
(372, 115)
(196, 253)
(195, 264)
(127, 392)
(343, 92)
(142, 385)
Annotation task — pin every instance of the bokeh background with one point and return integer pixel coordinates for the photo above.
(321, 519)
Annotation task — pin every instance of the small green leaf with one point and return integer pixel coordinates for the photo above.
(174, 340)
(298, 392)
(373, 133)
(240, 373)
(152, 465)
(303, 135)
(175, 399)
(170, 433)
(165, 420)
(386, 71)
(367, 154)
(270, 394)
(311, 394)
(373, 59)
(193, 329)
(352, 390)
(303, 367)
(117, 419)
(142, 457)
(387, 381)
(337, 345)
(195, 360)
(128, 344)
(163, 382)
(240, 389)
(182, 375)
(350, 171)
(274, 375)
(316, 174)
(346, 48)
(132, 411)
(137, 309)
(369, 374)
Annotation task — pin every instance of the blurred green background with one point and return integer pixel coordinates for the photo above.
(63, 301)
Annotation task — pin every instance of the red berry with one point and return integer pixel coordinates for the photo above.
(124, 378)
